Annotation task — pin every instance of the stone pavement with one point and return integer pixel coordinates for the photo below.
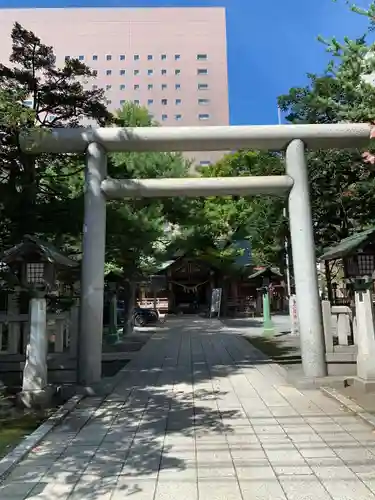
(196, 416)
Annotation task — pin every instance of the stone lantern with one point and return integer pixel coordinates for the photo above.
(35, 265)
(357, 253)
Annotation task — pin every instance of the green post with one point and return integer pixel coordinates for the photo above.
(113, 336)
(267, 321)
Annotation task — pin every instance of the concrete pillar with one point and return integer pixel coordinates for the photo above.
(35, 373)
(366, 333)
(304, 262)
(92, 279)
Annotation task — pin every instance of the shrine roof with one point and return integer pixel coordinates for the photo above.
(349, 245)
(32, 243)
(266, 270)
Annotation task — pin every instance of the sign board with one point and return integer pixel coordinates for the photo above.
(216, 301)
(293, 315)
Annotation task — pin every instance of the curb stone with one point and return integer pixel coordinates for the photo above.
(349, 405)
(15, 456)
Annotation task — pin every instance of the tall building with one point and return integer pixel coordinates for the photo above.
(171, 60)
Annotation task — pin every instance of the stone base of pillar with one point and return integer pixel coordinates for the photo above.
(365, 315)
(363, 386)
(37, 399)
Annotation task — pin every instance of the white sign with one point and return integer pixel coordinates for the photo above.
(216, 301)
(293, 315)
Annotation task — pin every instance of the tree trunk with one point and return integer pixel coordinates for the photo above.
(328, 281)
(223, 284)
(129, 303)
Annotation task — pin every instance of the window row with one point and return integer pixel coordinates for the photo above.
(150, 72)
(164, 117)
(177, 102)
(150, 86)
(136, 57)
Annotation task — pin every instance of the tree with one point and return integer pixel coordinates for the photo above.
(137, 240)
(342, 184)
(221, 221)
(41, 194)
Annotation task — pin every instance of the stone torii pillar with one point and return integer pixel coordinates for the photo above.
(98, 188)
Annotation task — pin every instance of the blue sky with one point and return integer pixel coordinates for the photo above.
(271, 44)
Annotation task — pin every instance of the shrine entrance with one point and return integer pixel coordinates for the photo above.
(190, 286)
(293, 139)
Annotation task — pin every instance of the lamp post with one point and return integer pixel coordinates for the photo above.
(113, 336)
(37, 276)
(359, 268)
(268, 328)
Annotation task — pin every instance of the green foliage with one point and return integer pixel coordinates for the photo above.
(43, 194)
(220, 221)
(136, 236)
(363, 11)
(342, 185)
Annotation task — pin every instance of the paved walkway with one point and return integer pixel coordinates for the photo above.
(197, 417)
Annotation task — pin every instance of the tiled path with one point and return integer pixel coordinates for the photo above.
(196, 417)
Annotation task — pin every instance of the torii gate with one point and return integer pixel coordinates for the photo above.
(293, 139)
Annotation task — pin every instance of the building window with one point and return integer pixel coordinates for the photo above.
(28, 103)
(108, 72)
(204, 163)
(136, 86)
(164, 117)
(204, 116)
(122, 102)
(150, 72)
(136, 72)
(122, 72)
(94, 72)
(163, 71)
(67, 58)
(202, 57)
(109, 101)
(108, 87)
(94, 87)
(177, 86)
(164, 102)
(178, 102)
(177, 71)
(150, 86)
(202, 86)
(94, 58)
(136, 57)
(177, 57)
(203, 102)
(122, 57)
(136, 101)
(122, 87)
(81, 58)
(178, 117)
(108, 57)
(150, 101)
(163, 57)
(202, 71)
(149, 57)
(164, 86)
